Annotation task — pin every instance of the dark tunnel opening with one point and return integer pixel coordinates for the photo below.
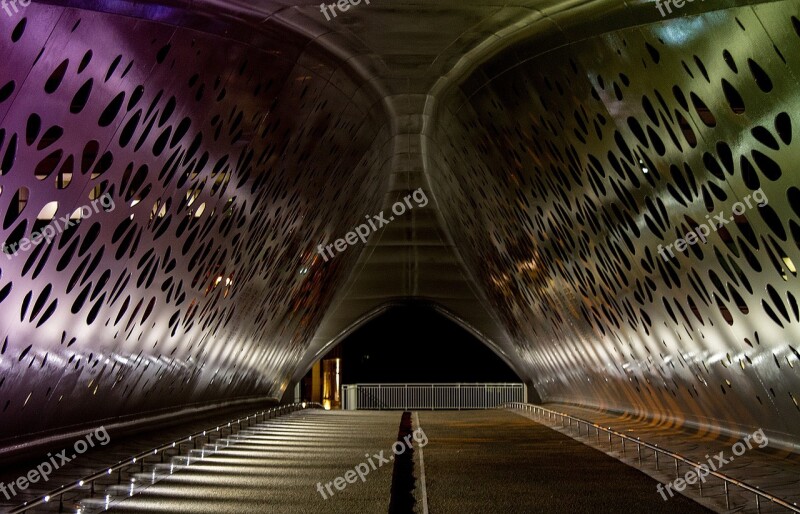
(414, 343)
(411, 343)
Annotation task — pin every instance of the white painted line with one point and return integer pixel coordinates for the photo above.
(421, 471)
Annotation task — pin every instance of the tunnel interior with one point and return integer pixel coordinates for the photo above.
(605, 197)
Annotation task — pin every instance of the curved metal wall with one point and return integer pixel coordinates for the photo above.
(230, 159)
(560, 177)
(227, 164)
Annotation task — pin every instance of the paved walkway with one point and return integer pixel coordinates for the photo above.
(499, 462)
(102, 456)
(492, 461)
(474, 462)
(277, 466)
(770, 469)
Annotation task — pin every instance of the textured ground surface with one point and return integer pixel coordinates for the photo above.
(496, 461)
(771, 469)
(474, 461)
(277, 469)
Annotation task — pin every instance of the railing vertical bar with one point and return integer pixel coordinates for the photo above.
(727, 498)
(700, 482)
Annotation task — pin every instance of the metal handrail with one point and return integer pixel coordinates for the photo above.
(678, 458)
(440, 384)
(140, 457)
(427, 395)
(374, 398)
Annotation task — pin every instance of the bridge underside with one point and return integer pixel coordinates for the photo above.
(169, 171)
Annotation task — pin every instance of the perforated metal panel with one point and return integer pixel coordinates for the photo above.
(560, 178)
(201, 281)
(233, 143)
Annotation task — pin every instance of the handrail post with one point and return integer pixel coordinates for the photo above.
(727, 499)
(129, 464)
(700, 482)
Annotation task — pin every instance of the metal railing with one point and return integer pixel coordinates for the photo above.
(568, 420)
(87, 483)
(430, 396)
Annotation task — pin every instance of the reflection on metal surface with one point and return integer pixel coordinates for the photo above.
(233, 146)
(707, 338)
(331, 382)
(181, 294)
